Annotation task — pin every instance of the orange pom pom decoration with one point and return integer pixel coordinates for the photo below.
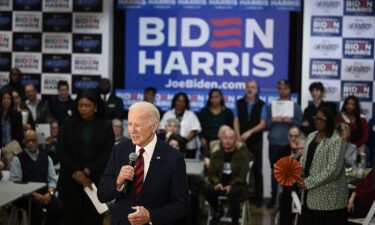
(287, 171)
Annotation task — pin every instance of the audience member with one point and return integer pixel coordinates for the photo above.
(172, 126)
(113, 105)
(11, 131)
(33, 165)
(227, 176)
(118, 131)
(324, 186)
(39, 110)
(212, 116)
(294, 149)
(20, 106)
(190, 126)
(351, 115)
(308, 119)
(85, 143)
(52, 142)
(351, 149)
(278, 127)
(15, 78)
(363, 196)
(249, 124)
(149, 95)
(61, 106)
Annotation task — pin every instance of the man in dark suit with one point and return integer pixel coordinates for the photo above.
(159, 191)
(113, 105)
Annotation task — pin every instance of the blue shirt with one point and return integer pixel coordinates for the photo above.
(7, 136)
(16, 170)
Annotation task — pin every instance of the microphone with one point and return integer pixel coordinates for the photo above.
(127, 185)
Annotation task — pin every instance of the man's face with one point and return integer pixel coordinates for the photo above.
(149, 96)
(172, 127)
(284, 91)
(30, 93)
(251, 89)
(104, 86)
(31, 141)
(228, 140)
(117, 130)
(54, 129)
(141, 128)
(316, 94)
(293, 136)
(15, 76)
(63, 92)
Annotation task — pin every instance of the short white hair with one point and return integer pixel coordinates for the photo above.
(116, 122)
(150, 108)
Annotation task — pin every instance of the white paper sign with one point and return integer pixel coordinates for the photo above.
(282, 108)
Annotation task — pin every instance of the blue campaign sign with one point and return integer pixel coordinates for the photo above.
(188, 50)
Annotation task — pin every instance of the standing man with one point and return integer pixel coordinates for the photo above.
(40, 111)
(249, 124)
(113, 105)
(62, 106)
(278, 127)
(15, 78)
(159, 190)
(149, 95)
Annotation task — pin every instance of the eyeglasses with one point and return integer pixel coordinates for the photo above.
(321, 119)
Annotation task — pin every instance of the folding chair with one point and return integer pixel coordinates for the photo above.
(245, 207)
(368, 220)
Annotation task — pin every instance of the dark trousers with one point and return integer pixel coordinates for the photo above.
(233, 198)
(79, 210)
(256, 149)
(275, 153)
(285, 206)
(54, 211)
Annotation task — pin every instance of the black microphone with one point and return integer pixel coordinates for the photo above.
(127, 185)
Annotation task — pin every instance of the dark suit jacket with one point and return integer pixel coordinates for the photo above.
(114, 107)
(71, 145)
(165, 189)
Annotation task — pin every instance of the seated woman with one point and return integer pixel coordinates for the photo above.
(363, 196)
(351, 149)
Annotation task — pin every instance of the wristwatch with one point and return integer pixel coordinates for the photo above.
(52, 193)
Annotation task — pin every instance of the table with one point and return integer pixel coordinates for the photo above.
(10, 192)
(194, 167)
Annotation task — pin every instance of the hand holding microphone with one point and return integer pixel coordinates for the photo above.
(126, 174)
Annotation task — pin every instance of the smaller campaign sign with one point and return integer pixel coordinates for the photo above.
(49, 82)
(358, 48)
(359, 7)
(27, 42)
(162, 4)
(326, 47)
(82, 82)
(359, 26)
(6, 41)
(33, 79)
(192, 4)
(360, 89)
(253, 4)
(57, 5)
(285, 4)
(367, 110)
(88, 6)
(4, 78)
(86, 64)
(5, 61)
(325, 68)
(53, 63)
(326, 7)
(87, 22)
(332, 89)
(5, 21)
(87, 43)
(6, 5)
(32, 5)
(326, 26)
(27, 21)
(57, 22)
(28, 62)
(223, 4)
(131, 4)
(57, 43)
(357, 69)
